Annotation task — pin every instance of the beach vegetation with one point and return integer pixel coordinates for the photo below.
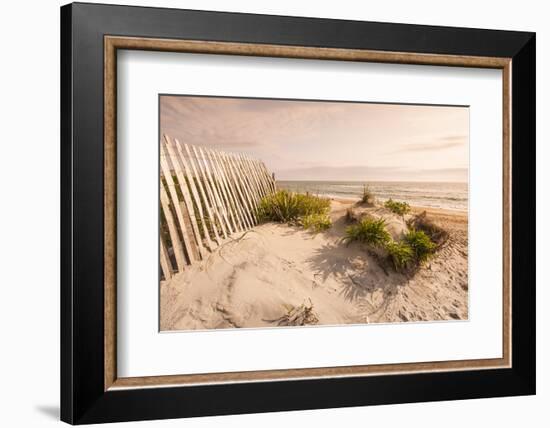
(351, 216)
(303, 208)
(409, 252)
(316, 222)
(368, 195)
(399, 208)
(437, 234)
(400, 254)
(281, 206)
(368, 231)
(421, 245)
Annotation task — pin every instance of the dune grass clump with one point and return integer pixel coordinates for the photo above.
(408, 253)
(287, 207)
(399, 208)
(368, 231)
(437, 234)
(400, 254)
(421, 245)
(351, 216)
(368, 196)
(316, 222)
(281, 206)
(310, 204)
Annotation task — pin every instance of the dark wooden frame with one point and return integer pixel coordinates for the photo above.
(90, 35)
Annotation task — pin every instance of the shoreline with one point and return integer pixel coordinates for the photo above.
(416, 209)
(256, 278)
(424, 196)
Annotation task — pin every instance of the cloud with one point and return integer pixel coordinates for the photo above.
(370, 173)
(460, 138)
(222, 121)
(348, 173)
(444, 171)
(442, 143)
(313, 140)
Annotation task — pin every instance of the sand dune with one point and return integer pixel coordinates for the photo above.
(260, 277)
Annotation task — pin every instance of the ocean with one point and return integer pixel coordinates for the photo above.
(452, 196)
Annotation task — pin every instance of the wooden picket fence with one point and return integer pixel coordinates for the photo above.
(206, 196)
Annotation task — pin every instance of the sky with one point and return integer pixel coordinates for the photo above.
(320, 140)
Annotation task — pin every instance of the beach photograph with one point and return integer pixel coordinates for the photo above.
(277, 213)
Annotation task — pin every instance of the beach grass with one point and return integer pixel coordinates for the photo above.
(287, 207)
(399, 208)
(437, 234)
(316, 222)
(412, 250)
(368, 231)
(400, 254)
(350, 217)
(421, 245)
(368, 195)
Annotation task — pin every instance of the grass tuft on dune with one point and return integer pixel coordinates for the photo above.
(420, 244)
(399, 208)
(288, 207)
(412, 250)
(400, 254)
(368, 231)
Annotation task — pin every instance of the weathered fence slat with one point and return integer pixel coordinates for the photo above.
(232, 226)
(246, 173)
(165, 261)
(208, 185)
(207, 203)
(246, 189)
(260, 188)
(198, 204)
(230, 197)
(261, 178)
(167, 173)
(235, 192)
(172, 229)
(206, 196)
(248, 210)
(214, 185)
(270, 179)
(251, 172)
(246, 180)
(264, 174)
(177, 167)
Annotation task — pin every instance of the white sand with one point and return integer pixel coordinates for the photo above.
(256, 278)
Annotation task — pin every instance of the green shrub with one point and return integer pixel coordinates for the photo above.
(400, 253)
(421, 245)
(369, 231)
(399, 208)
(316, 222)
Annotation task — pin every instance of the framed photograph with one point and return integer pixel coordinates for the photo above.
(265, 213)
